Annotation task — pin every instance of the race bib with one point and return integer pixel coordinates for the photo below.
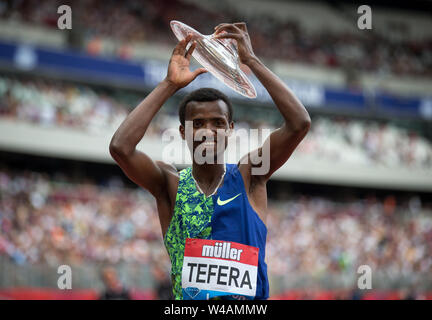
(214, 268)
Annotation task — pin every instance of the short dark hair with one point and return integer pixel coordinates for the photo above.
(204, 94)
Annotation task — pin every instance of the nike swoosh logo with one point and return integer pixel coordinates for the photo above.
(224, 202)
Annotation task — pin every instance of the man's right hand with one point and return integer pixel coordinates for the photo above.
(179, 73)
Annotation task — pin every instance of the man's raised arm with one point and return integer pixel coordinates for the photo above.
(139, 167)
(285, 139)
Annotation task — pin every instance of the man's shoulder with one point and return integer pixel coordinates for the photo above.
(167, 167)
(171, 177)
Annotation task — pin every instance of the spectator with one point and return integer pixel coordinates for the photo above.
(114, 290)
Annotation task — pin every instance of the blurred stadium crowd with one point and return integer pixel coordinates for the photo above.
(146, 21)
(341, 140)
(54, 219)
(62, 222)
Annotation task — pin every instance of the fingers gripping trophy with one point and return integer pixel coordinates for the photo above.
(220, 53)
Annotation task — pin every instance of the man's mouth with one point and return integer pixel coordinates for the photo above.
(208, 144)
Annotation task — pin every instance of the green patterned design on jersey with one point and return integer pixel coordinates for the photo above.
(191, 219)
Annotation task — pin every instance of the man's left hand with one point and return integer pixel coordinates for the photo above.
(237, 31)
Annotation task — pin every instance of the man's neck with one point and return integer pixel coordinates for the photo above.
(207, 173)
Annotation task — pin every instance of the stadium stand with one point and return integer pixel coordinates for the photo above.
(78, 106)
(285, 38)
(50, 219)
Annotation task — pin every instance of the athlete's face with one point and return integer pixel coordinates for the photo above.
(209, 121)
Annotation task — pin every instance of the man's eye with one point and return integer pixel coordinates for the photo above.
(220, 123)
(197, 124)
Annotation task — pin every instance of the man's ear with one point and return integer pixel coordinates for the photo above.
(182, 131)
(230, 129)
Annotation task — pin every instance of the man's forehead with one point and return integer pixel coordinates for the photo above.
(197, 109)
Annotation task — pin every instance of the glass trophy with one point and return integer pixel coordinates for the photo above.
(219, 57)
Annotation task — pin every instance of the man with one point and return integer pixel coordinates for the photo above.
(114, 290)
(212, 215)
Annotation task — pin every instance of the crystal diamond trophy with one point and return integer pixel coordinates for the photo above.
(219, 57)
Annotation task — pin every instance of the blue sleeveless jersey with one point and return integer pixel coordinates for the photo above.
(226, 216)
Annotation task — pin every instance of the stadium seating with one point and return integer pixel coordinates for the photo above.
(50, 219)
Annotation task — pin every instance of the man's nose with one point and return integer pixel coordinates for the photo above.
(207, 132)
(209, 126)
(210, 129)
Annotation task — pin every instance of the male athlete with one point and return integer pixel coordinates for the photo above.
(212, 215)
